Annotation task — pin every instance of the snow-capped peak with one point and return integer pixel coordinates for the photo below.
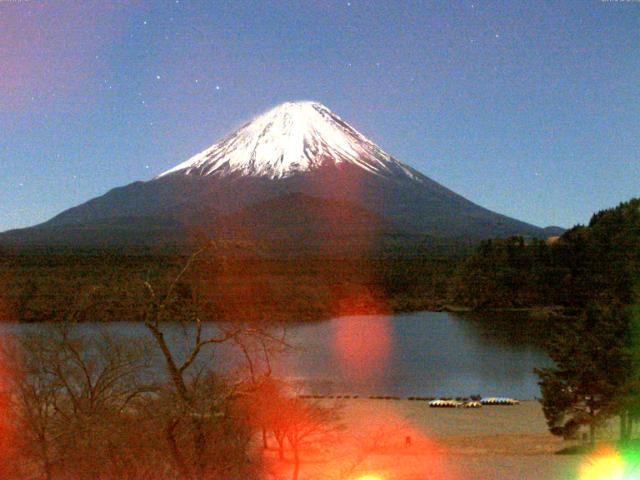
(291, 138)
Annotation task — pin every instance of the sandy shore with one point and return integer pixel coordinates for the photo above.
(407, 440)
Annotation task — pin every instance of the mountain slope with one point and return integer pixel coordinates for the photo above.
(290, 139)
(298, 157)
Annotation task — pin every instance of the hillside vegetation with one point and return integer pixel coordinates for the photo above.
(105, 286)
(599, 261)
(596, 261)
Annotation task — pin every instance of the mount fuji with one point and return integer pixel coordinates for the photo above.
(293, 138)
(295, 177)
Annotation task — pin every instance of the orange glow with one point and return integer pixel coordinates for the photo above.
(379, 427)
(362, 346)
(378, 441)
(6, 430)
(606, 464)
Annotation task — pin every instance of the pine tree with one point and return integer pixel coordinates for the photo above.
(591, 370)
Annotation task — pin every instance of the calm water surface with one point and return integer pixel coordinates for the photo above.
(422, 354)
(427, 354)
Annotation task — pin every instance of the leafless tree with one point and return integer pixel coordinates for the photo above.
(29, 398)
(308, 422)
(68, 396)
(262, 388)
(93, 407)
(297, 422)
(197, 412)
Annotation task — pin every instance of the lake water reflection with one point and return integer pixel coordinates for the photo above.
(419, 354)
(428, 354)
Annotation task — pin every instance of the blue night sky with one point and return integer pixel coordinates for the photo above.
(530, 108)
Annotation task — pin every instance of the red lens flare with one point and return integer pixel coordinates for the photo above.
(362, 346)
(397, 446)
(7, 431)
(6, 437)
(377, 443)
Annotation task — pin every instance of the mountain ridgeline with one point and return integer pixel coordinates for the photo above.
(295, 179)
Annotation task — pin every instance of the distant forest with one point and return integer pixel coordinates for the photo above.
(597, 261)
(106, 286)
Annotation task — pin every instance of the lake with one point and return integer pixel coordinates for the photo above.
(419, 354)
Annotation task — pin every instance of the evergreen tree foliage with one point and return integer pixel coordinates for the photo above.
(598, 262)
(590, 372)
(597, 351)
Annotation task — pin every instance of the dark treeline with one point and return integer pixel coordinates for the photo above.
(594, 262)
(587, 262)
(100, 285)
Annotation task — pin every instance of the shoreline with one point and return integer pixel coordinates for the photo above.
(408, 440)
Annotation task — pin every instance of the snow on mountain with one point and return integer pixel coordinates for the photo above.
(291, 138)
(298, 175)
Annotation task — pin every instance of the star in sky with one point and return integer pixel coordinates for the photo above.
(449, 92)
